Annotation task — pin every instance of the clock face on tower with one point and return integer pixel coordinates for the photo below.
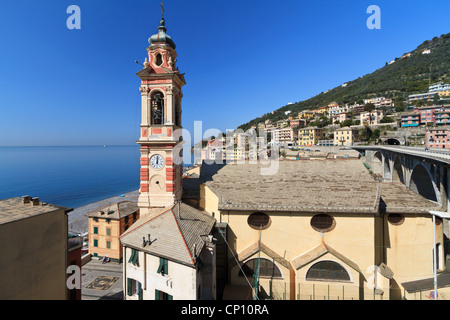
(157, 162)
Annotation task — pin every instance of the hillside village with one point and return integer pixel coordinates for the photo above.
(374, 121)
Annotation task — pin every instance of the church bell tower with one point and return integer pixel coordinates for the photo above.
(161, 152)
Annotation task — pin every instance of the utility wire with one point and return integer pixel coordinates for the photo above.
(237, 262)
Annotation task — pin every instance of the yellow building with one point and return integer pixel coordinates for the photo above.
(320, 230)
(345, 136)
(34, 250)
(306, 115)
(310, 136)
(106, 226)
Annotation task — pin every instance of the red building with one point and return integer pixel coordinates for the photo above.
(74, 245)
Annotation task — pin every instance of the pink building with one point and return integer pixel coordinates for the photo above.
(438, 138)
(341, 117)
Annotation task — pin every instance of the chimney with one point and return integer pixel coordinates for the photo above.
(26, 199)
(35, 201)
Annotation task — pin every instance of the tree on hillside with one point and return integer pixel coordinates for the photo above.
(365, 134)
(369, 107)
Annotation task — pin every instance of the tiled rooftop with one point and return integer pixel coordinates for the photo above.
(116, 211)
(307, 186)
(13, 209)
(174, 232)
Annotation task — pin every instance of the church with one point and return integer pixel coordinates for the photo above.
(317, 229)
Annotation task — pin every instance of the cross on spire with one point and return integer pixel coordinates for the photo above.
(162, 9)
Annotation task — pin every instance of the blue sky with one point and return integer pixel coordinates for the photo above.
(241, 59)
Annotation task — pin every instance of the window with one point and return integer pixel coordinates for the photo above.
(160, 295)
(108, 244)
(163, 268)
(95, 219)
(95, 230)
(259, 220)
(134, 216)
(134, 288)
(396, 219)
(108, 231)
(126, 219)
(95, 243)
(323, 223)
(267, 268)
(327, 271)
(157, 105)
(134, 258)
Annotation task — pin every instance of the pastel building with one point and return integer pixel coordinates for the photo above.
(411, 119)
(310, 136)
(438, 138)
(345, 136)
(372, 117)
(106, 226)
(34, 250)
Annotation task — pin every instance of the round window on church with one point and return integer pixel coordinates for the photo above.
(323, 223)
(259, 220)
(396, 219)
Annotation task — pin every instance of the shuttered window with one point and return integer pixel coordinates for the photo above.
(163, 266)
(134, 258)
(160, 295)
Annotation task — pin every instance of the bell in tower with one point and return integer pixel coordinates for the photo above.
(161, 161)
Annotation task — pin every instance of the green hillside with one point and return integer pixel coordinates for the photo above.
(406, 76)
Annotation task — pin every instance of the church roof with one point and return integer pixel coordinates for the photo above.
(175, 233)
(307, 186)
(162, 37)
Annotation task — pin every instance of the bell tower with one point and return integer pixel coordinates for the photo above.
(161, 155)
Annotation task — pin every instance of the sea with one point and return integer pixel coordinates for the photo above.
(72, 176)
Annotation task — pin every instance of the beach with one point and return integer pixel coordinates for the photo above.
(78, 218)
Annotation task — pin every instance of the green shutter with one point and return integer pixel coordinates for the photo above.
(156, 294)
(140, 290)
(161, 265)
(129, 286)
(136, 258)
(133, 253)
(169, 297)
(166, 266)
(95, 230)
(95, 243)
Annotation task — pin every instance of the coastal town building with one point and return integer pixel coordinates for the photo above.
(341, 117)
(441, 89)
(263, 218)
(410, 119)
(345, 136)
(310, 136)
(285, 137)
(437, 138)
(169, 251)
(380, 102)
(34, 250)
(105, 227)
(371, 117)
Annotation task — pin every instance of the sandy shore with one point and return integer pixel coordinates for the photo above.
(78, 220)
